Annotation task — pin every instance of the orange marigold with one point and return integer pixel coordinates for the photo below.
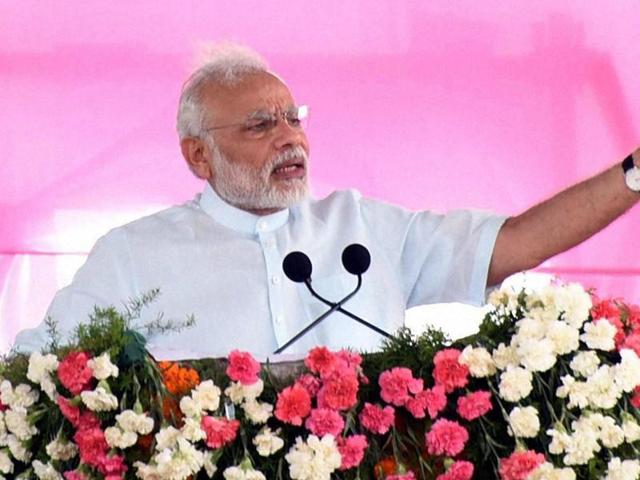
(178, 380)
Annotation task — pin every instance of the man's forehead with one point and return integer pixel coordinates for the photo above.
(255, 92)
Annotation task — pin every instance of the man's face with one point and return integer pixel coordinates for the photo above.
(259, 172)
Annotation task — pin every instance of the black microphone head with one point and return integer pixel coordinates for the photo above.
(297, 267)
(356, 259)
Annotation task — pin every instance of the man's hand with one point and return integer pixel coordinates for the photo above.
(561, 222)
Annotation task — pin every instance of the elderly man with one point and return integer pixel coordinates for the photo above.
(220, 255)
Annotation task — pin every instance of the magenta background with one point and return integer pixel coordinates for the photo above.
(440, 105)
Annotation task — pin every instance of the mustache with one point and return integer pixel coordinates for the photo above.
(287, 155)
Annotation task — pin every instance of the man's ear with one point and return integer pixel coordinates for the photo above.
(195, 152)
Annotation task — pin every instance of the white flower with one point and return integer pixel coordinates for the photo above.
(627, 372)
(18, 423)
(575, 302)
(622, 470)
(18, 449)
(207, 395)
(504, 356)
(599, 335)
(6, 465)
(61, 449)
(515, 383)
(560, 440)
(238, 473)
(117, 438)
(191, 430)
(45, 471)
(314, 459)
(102, 367)
(167, 438)
(565, 338)
(238, 393)
(176, 464)
(99, 400)
(267, 442)
(611, 435)
(190, 407)
(524, 422)
(630, 428)
(21, 396)
(130, 421)
(547, 471)
(585, 363)
(603, 391)
(257, 412)
(479, 361)
(578, 392)
(530, 329)
(537, 355)
(39, 371)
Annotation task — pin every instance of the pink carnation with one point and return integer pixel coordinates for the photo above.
(310, 383)
(396, 384)
(321, 360)
(435, 400)
(219, 430)
(375, 419)
(69, 411)
(74, 475)
(74, 372)
(448, 372)
(350, 359)
(113, 468)
(635, 399)
(243, 368)
(632, 342)
(352, 450)
(474, 405)
(460, 470)
(446, 438)
(520, 465)
(340, 390)
(402, 476)
(92, 446)
(324, 421)
(293, 404)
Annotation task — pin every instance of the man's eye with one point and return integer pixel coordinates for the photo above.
(259, 126)
(294, 122)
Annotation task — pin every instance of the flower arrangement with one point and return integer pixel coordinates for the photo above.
(548, 389)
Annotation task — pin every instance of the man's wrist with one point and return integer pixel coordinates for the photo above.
(631, 171)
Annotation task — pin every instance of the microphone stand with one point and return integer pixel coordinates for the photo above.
(347, 312)
(334, 307)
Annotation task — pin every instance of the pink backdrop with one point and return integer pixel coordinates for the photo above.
(440, 105)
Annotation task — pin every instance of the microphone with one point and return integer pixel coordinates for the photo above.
(297, 267)
(356, 259)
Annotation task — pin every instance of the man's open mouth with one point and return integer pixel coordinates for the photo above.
(289, 170)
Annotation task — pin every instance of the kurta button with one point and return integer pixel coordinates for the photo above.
(275, 280)
(279, 319)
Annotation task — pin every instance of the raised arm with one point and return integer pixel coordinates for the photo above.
(561, 222)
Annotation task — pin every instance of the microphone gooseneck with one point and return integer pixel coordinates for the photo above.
(297, 267)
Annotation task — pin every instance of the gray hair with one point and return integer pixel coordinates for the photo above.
(226, 64)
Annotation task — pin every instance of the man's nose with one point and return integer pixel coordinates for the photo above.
(286, 135)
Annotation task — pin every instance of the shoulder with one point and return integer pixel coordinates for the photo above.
(177, 220)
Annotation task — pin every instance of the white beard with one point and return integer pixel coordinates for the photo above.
(251, 189)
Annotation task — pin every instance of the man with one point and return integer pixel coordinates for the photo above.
(219, 256)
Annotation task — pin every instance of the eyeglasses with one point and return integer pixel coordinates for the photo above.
(261, 123)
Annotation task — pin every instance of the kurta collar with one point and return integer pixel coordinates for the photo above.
(237, 219)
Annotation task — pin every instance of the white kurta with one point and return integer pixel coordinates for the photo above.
(224, 266)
